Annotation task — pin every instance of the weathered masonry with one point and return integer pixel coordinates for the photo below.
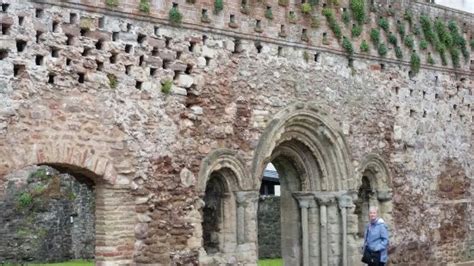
(170, 111)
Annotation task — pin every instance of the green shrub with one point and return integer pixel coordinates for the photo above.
(291, 17)
(166, 86)
(364, 47)
(401, 30)
(346, 17)
(458, 39)
(112, 3)
(333, 25)
(347, 45)
(426, 26)
(382, 49)
(356, 30)
(414, 63)
(409, 41)
(375, 36)
(112, 81)
(430, 59)
(416, 30)
(392, 39)
(443, 34)
(423, 44)
(398, 52)
(358, 10)
(454, 51)
(408, 16)
(40, 174)
(144, 6)
(269, 13)
(175, 16)
(314, 22)
(25, 200)
(218, 6)
(306, 8)
(383, 23)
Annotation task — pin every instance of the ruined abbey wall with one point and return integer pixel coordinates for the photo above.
(82, 87)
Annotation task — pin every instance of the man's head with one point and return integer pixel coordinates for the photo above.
(373, 213)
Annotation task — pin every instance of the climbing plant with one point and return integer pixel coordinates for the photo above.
(347, 45)
(175, 16)
(408, 16)
(392, 39)
(144, 6)
(333, 25)
(218, 6)
(423, 44)
(414, 63)
(356, 30)
(306, 8)
(382, 49)
(364, 47)
(358, 10)
(346, 17)
(375, 37)
(409, 41)
(398, 52)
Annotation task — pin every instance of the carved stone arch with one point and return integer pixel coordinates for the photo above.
(221, 180)
(308, 124)
(64, 154)
(113, 246)
(380, 177)
(225, 160)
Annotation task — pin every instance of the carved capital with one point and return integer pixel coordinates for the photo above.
(305, 200)
(345, 201)
(244, 198)
(384, 195)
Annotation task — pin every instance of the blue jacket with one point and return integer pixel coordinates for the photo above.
(376, 238)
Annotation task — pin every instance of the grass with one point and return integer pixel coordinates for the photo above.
(270, 262)
(68, 263)
(267, 262)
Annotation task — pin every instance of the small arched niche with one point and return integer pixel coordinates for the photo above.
(373, 191)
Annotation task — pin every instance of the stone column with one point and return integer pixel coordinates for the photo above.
(305, 202)
(246, 216)
(323, 202)
(345, 202)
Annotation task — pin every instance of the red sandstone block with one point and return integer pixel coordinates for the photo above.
(6, 20)
(154, 61)
(160, 44)
(375, 67)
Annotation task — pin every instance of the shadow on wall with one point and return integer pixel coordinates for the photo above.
(46, 216)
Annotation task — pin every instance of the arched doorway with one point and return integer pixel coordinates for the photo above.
(316, 178)
(115, 215)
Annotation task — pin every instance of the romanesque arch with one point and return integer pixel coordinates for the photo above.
(223, 184)
(373, 179)
(114, 212)
(312, 158)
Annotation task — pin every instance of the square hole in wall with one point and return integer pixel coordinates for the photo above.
(39, 60)
(5, 7)
(279, 51)
(39, 13)
(3, 54)
(155, 51)
(168, 42)
(54, 52)
(84, 31)
(127, 69)
(70, 39)
(156, 30)
(99, 45)
(51, 78)
(113, 58)
(166, 63)
(21, 19)
(54, 26)
(100, 65)
(86, 51)
(141, 38)
(81, 77)
(101, 22)
(141, 60)
(18, 70)
(129, 27)
(20, 45)
(72, 18)
(6, 28)
(128, 48)
(177, 73)
(208, 60)
(138, 84)
(191, 46)
(152, 71)
(115, 36)
(38, 36)
(189, 69)
(68, 61)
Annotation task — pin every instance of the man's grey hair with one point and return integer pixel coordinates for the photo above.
(374, 208)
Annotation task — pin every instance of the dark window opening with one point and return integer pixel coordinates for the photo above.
(152, 71)
(113, 58)
(38, 36)
(127, 69)
(39, 12)
(55, 26)
(51, 78)
(189, 69)
(81, 77)
(54, 52)
(141, 60)
(6, 28)
(70, 39)
(155, 51)
(101, 22)
(115, 36)
(20, 45)
(72, 18)
(138, 84)
(100, 65)
(21, 19)
(128, 48)
(39, 60)
(18, 70)
(5, 7)
(141, 38)
(3, 54)
(68, 61)
(99, 45)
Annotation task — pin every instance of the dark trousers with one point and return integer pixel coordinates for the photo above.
(376, 264)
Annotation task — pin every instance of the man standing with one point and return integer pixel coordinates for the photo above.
(375, 240)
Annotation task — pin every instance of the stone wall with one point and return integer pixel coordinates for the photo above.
(36, 211)
(82, 86)
(269, 233)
